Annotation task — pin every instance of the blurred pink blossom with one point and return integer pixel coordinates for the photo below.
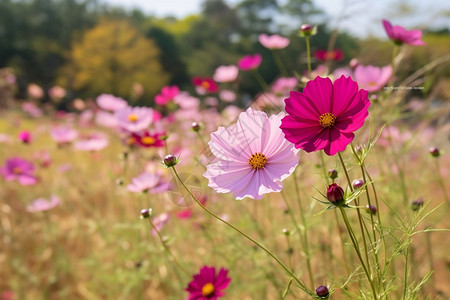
(159, 222)
(273, 41)
(111, 102)
(35, 91)
(227, 96)
(226, 73)
(250, 62)
(57, 92)
(94, 142)
(42, 204)
(168, 93)
(63, 134)
(372, 78)
(106, 119)
(19, 169)
(400, 35)
(148, 182)
(283, 85)
(25, 137)
(32, 109)
(134, 119)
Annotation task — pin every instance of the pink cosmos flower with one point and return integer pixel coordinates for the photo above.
(347, 72)
(149, 140)
(400, 35)
(35, 91)
(253, 157)
(207, 285)
(250, 62)
(283, 85)
(148, 182)
(226, 73)
(110, 102)
(372, 78)
(5, 138)
(273, 41)
(325, 115)
(168, 93)
(134, 119)
(57, 92)
(94, 142)
(25, 137)
(63, 135)
(42, 204)
(159, 222)
(324, 55)
(31, 109)
(106, 119)
(19, 169)
(205, 85)
(227, 96)
(42, 158)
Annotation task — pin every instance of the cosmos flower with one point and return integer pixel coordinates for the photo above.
(149, 140)
(372, 78)
(250, 62)
(226, 73)
(25, 137)
(252, 156)
(42, 204)
(148, 182)
(31, 109)
(134, 119)
(325, 115)
(93, 142)
(57, 92)
(159, 222)
(19, 169)
(207, 285)
(205, 85)
(35, 91)
(63, 135)
(111, 102)
(400, 35)
(168, 93)
(324, 55)
(106, 119)
(273, 41)
(283, 85)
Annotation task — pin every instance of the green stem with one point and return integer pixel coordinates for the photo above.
(441, 181)
(405, 289)
(304, 232)
(291, 274)
(308, 55)
(166, 248)
(358, 252)
(260, 80)
(279, 63)
(205, 147)
(347, 268)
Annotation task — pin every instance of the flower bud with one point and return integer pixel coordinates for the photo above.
(145, 213)
(417, 204)
(332, 173)
(335, 193)
(195, 127)
(371, 209)
(434, 152)
(170, 160)
(307, 30)
(322, 291)
(286, 232)
(353, 63)
(357, 184)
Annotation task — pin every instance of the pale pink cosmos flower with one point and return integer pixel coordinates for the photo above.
(226, 73)
(372, 78)
(252, 156)
(94, 142)
(42, 204)
(227, 96)
(19, 169)
(273, 41)
(57, 92)
(400, 35)
(63, 134)
(148, 182)
(5, 138)
(134, 119)
(106, 119)
(283, 85)
(111, 102)
(250, 62)
(347, 72)
(31, 109)
(159, 222)
(35, 91)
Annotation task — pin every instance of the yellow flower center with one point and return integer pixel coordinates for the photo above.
(327, 120)
(257, 161)
(372, 83)
(207, 289)
(17, 170)
(148, 140)
(133, 118)
(205, 84)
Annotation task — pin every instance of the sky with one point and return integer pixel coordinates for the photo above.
(362, 17)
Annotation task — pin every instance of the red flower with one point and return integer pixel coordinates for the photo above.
(147, 140)
(206, 83)
(324, 55)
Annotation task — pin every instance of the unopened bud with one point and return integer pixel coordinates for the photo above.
(335, 193)
(434, 152)
(332, 173)
(195, 127)
(357, 184)
(170, 160)
(371, 209)
(322, 291)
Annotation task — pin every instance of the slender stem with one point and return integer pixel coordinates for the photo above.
(308, 55)
(291, 274)
(347, 268)
(304, 232)
(290, 250)
(202, 140)
(345, 171)
(430, 257)
(324, 170)
(279, 62)
(163, 242)
(355, 245)
(260, 80)
(441, 181)
(405, 289)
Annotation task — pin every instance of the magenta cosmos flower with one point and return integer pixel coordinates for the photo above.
(400, 35)
(273, 41)
(168, 93)
(325, 115)
(42, 204)
(324, 55)
(207, 285)
(19, 169)
(111, 102)
(372, 78)
(25, 137)
(253, 157)
(134, 119)
(250, 62)
(205, 84)
(226, 73)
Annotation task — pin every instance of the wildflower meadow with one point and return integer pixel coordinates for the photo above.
(218, 157)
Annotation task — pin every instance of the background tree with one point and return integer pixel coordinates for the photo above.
(111, 57)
